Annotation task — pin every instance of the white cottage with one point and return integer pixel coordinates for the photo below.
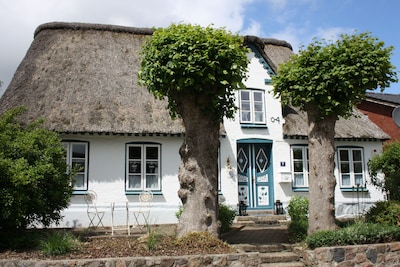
(82, 78)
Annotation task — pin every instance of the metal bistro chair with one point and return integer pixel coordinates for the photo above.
(143, 212)
(95, 215)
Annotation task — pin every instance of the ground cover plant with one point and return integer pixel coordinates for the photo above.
(88, 244)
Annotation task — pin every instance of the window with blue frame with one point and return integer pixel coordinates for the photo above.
(143, 167)
(351, 167)
(76, 155)
(252, 106)
(300, 166)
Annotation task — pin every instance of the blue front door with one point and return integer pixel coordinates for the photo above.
(255, 175)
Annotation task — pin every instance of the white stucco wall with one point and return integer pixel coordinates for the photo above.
(107, 166)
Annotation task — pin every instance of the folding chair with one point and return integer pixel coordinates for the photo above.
(143, 212)
(94, 214)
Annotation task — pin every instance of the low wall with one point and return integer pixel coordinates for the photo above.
(228, 260)
(386, 254)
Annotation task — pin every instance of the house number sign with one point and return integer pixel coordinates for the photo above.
(276, 119)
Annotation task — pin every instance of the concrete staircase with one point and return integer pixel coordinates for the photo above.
(265, 234)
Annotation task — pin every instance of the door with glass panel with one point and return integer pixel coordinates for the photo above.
(255, 174)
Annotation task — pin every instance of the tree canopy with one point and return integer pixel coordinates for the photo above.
(208, 63)
(34, 182)
(333, 77)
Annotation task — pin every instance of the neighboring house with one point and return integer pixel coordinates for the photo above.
(82, 78)
(379, 109)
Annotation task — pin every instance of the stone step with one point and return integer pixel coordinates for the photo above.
(279, 257)
(283, 264)
(266, 218)
(263, 248)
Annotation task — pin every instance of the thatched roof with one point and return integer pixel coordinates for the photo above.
(358, 126)
(82, 78)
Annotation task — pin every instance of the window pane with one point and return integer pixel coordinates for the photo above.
(79, 151)
(259, 116)
(151, 167)
(135, 167)
(258, 106)
(357, 155)
(297, 153)
(298, 166)
(135, 152)
(80, 181)
(78, 164)
(245, 106)
(152, 181)
(244, 95)
(299, 180)
(135, 181)
(245, 116)
(358, 167)
(257, 96)
(359, 180)
(345, 167)
(344, 155)
(151, 152)
(346, 180)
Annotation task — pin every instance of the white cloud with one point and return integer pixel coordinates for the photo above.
(21, 17)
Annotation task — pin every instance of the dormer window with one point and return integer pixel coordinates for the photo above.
(252, 106)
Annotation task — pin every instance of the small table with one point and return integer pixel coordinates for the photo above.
(120, 206)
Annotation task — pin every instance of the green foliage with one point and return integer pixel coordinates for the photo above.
(333, 77)
(298, 212)
(388, 162)
(186, 60)
(355, 234)
(58, 243)
(34, 185)
(226, 215)
(384, 212)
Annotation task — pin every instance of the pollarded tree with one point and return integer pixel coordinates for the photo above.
(327, 80)
(197, 69)
(34, 183)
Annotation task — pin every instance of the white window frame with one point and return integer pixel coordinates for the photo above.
(143, 173)
(248, 106)
(356, 167)
(81, 183)
(305, 160)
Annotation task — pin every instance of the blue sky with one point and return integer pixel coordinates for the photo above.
(296, 21)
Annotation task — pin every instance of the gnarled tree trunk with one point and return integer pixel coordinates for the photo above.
(198, 171)
(322, 181)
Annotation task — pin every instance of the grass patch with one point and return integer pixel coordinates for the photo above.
(58, 243)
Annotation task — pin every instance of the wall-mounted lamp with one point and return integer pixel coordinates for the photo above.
(228, 163)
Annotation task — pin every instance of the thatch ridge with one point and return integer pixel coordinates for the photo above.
(91, 26)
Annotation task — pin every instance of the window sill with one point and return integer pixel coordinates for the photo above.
(354, 189)
(252, 125)
(300, 189)
(133, 193)
(79, 192)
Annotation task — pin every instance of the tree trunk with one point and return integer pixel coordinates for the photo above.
(322, 181)
(198, 171)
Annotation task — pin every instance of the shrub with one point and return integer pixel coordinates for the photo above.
(59, 242)
(298, 212)
(35, 185)
(384, 212)
(226, 217)
(355, 234)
